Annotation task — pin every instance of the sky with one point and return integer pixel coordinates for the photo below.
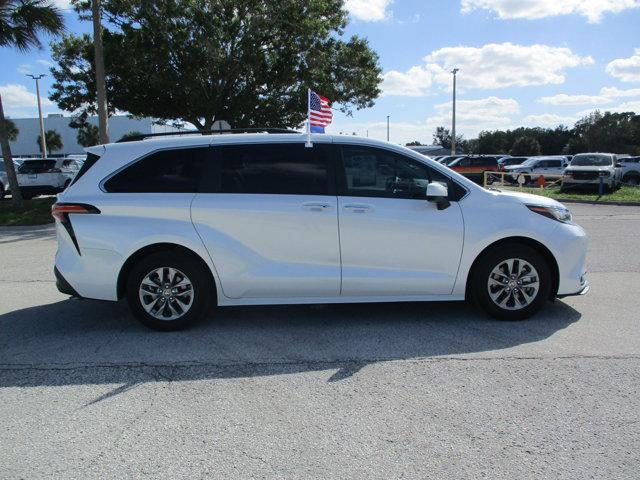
(521, 63)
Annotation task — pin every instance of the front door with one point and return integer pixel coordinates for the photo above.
(269, 220)
(393, 241)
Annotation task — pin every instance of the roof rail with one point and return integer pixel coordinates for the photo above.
(135, 138)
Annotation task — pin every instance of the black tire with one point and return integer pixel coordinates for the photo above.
(2, 192)
(494, 257)
(193, 268)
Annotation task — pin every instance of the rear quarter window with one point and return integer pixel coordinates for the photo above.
(165, 171)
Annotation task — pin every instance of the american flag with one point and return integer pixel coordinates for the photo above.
(320, 113)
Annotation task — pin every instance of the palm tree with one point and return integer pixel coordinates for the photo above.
(53, 141)
(12, 130)
(21, 21)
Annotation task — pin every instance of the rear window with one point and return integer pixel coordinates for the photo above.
(37, 166)
(166, 171)
(286, 169)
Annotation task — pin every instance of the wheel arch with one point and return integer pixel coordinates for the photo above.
(630, 175)
(530, 242)
(159, 247)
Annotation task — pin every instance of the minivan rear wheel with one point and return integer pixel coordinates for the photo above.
(168, 291)
(512, 282)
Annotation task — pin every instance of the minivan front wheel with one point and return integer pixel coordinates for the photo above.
(512, 282)
(168, 291)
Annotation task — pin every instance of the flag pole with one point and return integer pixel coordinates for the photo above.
(308, 144)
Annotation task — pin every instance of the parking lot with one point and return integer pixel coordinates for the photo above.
(343, 391)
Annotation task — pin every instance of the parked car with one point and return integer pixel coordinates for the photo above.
(448, 159)
(630, 172)
(474, 166)
(586, 169)
(533, 167)
(70, 168)
(510, 161)
(179, 223)
(37, 176)
(4, 182)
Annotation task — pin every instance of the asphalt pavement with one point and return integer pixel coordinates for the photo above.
(375, 391)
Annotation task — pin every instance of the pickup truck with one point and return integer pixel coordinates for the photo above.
(586, 169)
(630, 170)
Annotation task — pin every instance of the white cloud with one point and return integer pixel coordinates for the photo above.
(613, 92)
(45, 63)
(490, 66)
(413, 83)
(503, 65)
(473, 116)
(548, 120)
(24, 69)
(564, 99)
(16, 97)
(632, 106)
(593, 10)
(369, 10)
(626, 69)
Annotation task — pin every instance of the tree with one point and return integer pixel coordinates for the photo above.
(11, 129)
(21, 21)
(52, 140)
(606, 132)
(525, 147)
(131, 134)
(415, 143)
(249, 63)
(101, 86)
(88, 134)
(442, 137)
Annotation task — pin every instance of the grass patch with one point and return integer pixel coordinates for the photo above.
(35, 212)
(624, 194)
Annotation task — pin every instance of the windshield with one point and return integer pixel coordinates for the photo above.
(591, 160)
(529, 162)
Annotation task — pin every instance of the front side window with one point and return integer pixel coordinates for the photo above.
(166, 171)
(271, 168)
(373, 172)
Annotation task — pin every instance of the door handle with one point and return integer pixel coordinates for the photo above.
(358, 208)
(316, 207)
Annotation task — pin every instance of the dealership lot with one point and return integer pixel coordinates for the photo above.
(342, 391)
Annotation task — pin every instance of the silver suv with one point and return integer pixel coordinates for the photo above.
(589, 169)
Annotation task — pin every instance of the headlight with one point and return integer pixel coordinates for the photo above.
(559, 213)
(568, 174)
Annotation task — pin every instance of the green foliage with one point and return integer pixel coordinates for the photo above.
(415, 143)
(525, 146)
(11, 129)
(133, 133)
(249, 63)
(597, 132)
(88, 135)
(442, 137)
(52, 139)
(21, 21)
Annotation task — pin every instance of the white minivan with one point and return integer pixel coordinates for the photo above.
(177, 224)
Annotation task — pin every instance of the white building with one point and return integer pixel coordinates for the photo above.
(119, 125)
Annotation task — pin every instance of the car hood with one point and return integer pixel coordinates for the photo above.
(526, 198)
(511, 168)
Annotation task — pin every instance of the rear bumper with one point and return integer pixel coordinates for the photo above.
(62, 285)
(41, 190)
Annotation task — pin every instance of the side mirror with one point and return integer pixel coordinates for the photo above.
(439, 194)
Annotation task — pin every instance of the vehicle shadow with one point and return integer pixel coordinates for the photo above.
(76, 342)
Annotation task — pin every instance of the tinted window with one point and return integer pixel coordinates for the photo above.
(37, 166)
(286, 169)
(91, 160)
(373, 172)
(167, 171)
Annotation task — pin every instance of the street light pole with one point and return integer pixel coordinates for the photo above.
(388, 127)
(453, 128)
(43, 142)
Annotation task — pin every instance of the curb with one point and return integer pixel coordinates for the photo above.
(597, 202)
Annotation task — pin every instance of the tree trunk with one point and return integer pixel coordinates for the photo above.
(101, 87)
(16, 195)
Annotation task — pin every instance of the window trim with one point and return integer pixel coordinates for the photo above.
(146, 155)
(341, 174)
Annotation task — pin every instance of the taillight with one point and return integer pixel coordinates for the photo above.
(61, 210)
